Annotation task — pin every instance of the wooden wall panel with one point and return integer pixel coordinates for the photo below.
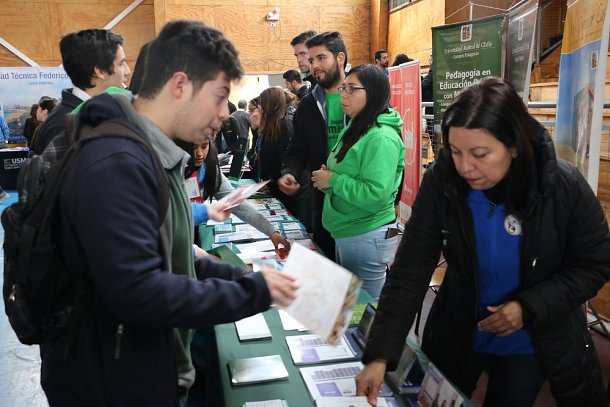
(28, 28)
(455, 16)
(271, 4)
(409, 29)
(35, 28)
(266, 49)
(379, 18)
(353, 24)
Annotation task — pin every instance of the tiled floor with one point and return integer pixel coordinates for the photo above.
(20, 364)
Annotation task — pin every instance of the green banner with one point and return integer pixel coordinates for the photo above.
(462, 54)
(520, 47)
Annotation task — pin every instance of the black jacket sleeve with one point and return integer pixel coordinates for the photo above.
(408, 279)
(109, 206)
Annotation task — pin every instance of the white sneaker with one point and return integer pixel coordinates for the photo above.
(4, 196)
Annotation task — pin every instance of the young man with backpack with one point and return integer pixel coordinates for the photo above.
(143, 282)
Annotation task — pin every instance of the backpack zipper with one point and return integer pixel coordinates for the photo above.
(119, 338)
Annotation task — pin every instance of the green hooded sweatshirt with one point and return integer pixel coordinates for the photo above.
(363, 186)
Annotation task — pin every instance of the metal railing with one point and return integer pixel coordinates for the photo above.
(530, 105)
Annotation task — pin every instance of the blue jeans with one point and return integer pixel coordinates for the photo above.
(368, 256)
(513, 380)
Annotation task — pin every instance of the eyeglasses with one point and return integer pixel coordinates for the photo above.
(349, 89)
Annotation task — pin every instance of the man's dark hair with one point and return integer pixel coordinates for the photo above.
(242, 104)
(292, 75)
(138, 72)
(333, 41)
(48, 104)
(82, 51)
(379, 52)
(303, 37)
(188, 46)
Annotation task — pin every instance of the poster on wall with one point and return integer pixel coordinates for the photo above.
(405, 97)
(20, 88)
(582, 76)
(464, 53)
(520, 46)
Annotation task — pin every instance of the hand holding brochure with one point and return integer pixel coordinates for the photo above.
(240, 194)
(326, 295)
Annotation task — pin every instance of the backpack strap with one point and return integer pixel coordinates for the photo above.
(122, 128)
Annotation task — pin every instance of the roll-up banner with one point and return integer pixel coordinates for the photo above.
(582, 75)
(20, 88)
(462, 54)
(405, 97)
(520, 46)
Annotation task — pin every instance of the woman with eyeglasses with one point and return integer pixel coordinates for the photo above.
(361, 178)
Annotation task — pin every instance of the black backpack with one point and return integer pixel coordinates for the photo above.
(42, 296)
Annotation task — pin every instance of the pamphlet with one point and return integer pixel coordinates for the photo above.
(310, 349)
(240, 194)
(253, 328)
(266, 403)
(326, 295)
(265, 201)
(238, 236)
(257, 370)
(334, 380)
(308, 243)
(260, 246)
(291, 226)
(355, 401)
(289, 323)
(223, 228)
(295, 234)
(436, 390)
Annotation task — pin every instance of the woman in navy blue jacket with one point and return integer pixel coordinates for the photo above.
(526, 244)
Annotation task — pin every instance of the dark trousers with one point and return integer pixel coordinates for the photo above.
(513, 380)
(320, 235)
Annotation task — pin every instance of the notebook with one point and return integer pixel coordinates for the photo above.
(311, 349)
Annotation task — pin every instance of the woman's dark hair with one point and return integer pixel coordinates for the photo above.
(33, 111)
(273, 109)
(254, 104)
(492, 104)
(377, 88)
(401, 59)
(210, 182)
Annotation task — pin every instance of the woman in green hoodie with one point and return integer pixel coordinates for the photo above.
(361, 178)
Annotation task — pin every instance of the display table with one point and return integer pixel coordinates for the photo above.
(229, 347)
(11, 160)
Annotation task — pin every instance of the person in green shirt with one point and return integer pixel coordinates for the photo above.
(361, 178)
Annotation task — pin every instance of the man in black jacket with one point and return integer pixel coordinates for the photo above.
(94, 60)
(317, 123)
(295, 84)
(301, 53)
